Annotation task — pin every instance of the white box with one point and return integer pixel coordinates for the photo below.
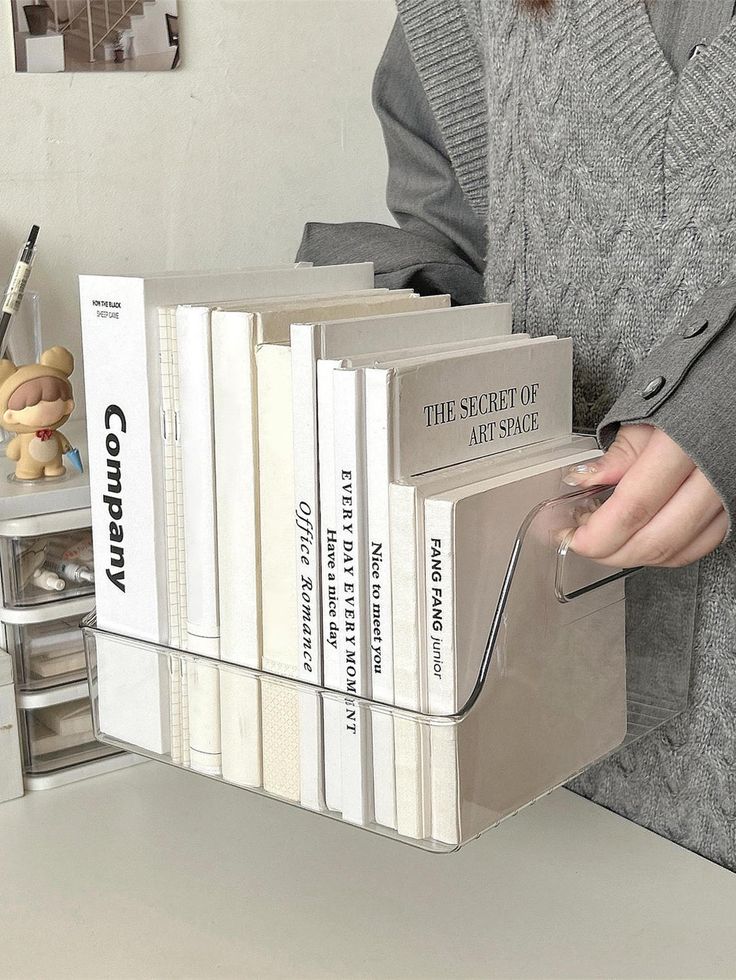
(45, 52)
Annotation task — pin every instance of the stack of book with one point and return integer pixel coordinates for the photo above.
(296, 472)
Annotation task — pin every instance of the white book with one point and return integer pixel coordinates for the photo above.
(120, 335)
(280, 655)
(469, 533)
(436, 408)
(380, 617)
(380, 474)
(411, 740)
(331, 673)
(174, 520)
(352, 645)
(473, 403)
(233, 378)
(202, 631)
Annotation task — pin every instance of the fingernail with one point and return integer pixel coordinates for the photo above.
(577, 474)
(562, 533)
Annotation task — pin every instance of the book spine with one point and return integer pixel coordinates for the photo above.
(123, 425)
(200, 538)
(236, 463)
(304, 342)
(332, 721)
(306, 500)
(183, 680)
(352, 636)
(167, 330)
(240, 728)
(380, 620)
(280, 702)
(441, 667)
(411, 738)
(439, 602)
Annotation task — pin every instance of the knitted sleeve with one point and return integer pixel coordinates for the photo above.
(686, 388)
(439, 244)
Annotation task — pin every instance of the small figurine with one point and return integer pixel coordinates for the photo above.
(35, 400)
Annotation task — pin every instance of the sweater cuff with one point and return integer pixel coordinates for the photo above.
(685, 388)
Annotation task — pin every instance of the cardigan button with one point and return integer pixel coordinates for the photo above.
(697, 50)
(695, 329)
(653, 388)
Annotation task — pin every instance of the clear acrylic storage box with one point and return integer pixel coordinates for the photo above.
(45, 558)
(567, 675)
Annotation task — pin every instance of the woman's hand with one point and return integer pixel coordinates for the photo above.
(663, 511)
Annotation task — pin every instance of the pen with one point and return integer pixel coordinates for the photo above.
(16, 286)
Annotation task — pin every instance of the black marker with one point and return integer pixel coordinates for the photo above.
(17, 285)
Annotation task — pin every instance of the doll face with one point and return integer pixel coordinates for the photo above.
(44, 415)
(41, 403)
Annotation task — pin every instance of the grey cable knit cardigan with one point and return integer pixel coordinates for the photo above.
(608, 186)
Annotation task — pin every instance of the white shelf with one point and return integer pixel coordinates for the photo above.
(46, 612)
(54, 523)
(19, 499)
(31, 700)
(75, 774)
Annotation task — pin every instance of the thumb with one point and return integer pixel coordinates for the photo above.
(608, 469)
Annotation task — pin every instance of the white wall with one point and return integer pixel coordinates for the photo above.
(267, 124)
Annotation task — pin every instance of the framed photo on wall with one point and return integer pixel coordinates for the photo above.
(99, 35)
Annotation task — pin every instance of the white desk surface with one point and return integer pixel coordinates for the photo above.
(153, 873)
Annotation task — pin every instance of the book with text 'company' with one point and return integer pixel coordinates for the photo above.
(120, 338)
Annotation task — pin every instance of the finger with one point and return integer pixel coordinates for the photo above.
(676, 525)
(608, 469)
(642, 492)
(713, 536)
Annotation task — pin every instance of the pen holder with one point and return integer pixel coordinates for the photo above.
(549, 698)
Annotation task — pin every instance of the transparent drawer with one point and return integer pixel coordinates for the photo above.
(57, 736)
(47, 651)
(46, 558)
(563, 681)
